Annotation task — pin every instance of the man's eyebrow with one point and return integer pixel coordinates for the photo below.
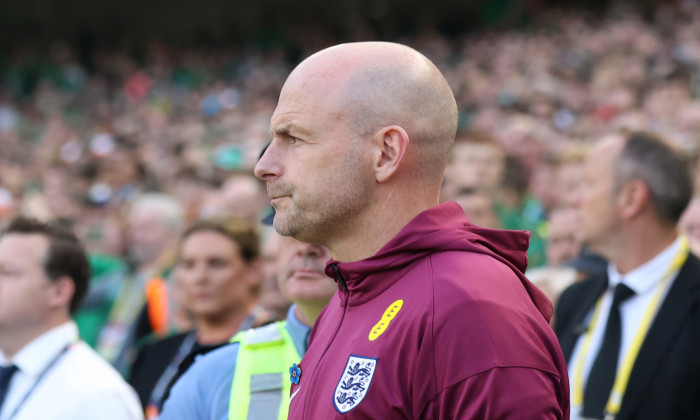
(281, 130)
(288, 129)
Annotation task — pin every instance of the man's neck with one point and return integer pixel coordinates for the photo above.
(12, 341)
(377, 226)
(640, 248)
(219, 330)
(307, 314)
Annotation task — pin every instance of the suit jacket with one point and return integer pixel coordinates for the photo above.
(665, 380)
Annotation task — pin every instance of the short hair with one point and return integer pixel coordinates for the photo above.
(241, 231)
(665, 171)
(574, 152)
(168, 206)
(65, 255)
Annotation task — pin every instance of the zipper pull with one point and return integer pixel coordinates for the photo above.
(339, 277)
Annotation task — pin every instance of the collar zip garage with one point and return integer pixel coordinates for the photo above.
(339, 277)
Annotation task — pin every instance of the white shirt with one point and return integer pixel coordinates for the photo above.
(78, 385)
(644, 280)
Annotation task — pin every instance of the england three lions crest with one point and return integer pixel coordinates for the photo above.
(354, 382)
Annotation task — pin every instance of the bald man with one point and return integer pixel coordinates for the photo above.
(433, 318)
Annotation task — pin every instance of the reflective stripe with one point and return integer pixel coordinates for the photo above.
(261, 385)
(266, 382)
(265, 396)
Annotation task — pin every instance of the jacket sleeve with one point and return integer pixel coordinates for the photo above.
(500, 393)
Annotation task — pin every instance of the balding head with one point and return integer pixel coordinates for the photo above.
(361, 132)
(371, 85)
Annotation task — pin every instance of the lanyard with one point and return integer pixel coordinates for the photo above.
(623, 374)
(39, 378)
(156, 399)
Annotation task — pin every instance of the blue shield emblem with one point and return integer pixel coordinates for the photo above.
(354, 382)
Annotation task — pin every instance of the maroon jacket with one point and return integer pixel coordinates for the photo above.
(439, 324)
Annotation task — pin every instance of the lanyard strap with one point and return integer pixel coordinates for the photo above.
(623, 375)
(40, 377)
(169, 373)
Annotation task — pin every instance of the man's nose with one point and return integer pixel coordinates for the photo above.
(268, 165)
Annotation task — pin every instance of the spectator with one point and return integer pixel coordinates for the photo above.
(517, 209)
(271, 297)
(690, 224)
(217, 280)
(219, 385)
(47, 372)
(562, 247)
(243, 195)
(477, 161)
(478, 206)
(562, 243)
(142, 304)
(641, 312)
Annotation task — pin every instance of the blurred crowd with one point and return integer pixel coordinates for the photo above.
(130, 150)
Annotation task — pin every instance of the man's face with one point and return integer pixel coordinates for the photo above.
(212, 277)
(562, 244)
(316, 171)
(479, 209)
(271, 298)
(599, 215)
(24, 287)
(300, 272)
(476, 165)
(148, 235)
(569, 181)
(690, 224)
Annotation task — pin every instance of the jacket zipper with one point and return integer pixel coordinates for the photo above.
(339, 277)
(312, 385)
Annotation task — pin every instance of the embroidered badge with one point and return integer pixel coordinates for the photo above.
(294, 373)
(383, 323)
(354, 383)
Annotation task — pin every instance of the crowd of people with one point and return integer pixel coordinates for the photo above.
(80, 144)
(150, 161)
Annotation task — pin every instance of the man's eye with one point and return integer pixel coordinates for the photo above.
(293, 140)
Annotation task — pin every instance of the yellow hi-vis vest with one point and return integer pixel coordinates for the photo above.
(261, 385)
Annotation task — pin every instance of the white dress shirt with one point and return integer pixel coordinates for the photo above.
(644, 280)
(74, 382)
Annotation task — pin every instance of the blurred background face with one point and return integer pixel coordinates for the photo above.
(148, 235)
(300, 273)
(598, 215)
(690, 224)
(479, 208)
(562, 244)
(475, 165)
(24, 286)
(271, 298)
(569, 181)
(244, 196)
(212, 277)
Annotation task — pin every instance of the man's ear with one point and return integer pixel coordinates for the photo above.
(633, 198)
(393, 144)
(62, 292)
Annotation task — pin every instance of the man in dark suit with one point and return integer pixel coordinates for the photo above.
(631, 337)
